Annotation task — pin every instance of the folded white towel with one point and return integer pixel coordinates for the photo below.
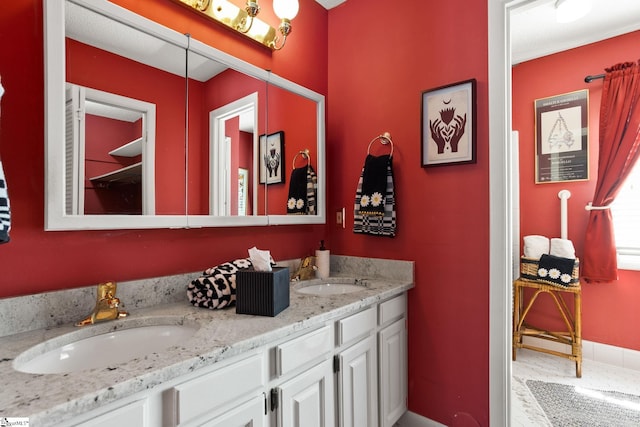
(535, 246)
(562, 248)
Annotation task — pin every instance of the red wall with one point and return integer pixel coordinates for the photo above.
(35, 260)
(608, 309)
(378, 67)
(380, 62)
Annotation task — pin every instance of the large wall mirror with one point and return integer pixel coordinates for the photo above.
(148, 128)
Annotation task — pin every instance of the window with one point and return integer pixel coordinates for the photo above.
(626, 221)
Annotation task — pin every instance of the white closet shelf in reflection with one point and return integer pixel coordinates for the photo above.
(132, 149)
(131, 175)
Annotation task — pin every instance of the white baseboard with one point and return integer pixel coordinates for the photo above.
(411, 419)
(603, 353)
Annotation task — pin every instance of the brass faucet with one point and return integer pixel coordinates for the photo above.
(106, 305)
(307, 269)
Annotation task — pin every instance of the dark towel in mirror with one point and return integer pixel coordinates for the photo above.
(302, 191)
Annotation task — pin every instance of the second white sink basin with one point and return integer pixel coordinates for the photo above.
(103, 350)
(330, 286)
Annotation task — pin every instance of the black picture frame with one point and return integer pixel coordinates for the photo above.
(562, 137)
(272, 158)
(448, 120)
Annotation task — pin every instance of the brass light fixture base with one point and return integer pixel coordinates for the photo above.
(235, 18)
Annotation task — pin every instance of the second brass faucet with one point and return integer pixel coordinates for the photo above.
(106, 305)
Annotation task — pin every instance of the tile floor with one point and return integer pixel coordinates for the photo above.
(529, 364)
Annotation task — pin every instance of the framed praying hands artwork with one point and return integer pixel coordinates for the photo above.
(449, 124)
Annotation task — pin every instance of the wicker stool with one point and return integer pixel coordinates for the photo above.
(572, 336)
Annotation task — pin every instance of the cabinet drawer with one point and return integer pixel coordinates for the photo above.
(197, 397)
(356, 326)
(131, 415)
(392, 309)
(302, 350)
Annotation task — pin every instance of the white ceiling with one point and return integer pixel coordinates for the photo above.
(535, 32)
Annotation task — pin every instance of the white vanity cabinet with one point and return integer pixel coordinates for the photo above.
(133, 414)
(231, 395)
(303, 392)
(392, 365)
(346, 372)
(356, 366)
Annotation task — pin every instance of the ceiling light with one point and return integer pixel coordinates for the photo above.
(571, 10)
(245, 20)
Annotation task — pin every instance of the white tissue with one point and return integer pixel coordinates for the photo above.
(562, 248)
(535, 246)
(261, 260)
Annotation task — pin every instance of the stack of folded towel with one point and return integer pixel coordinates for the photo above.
(556, 259)
(535, 246)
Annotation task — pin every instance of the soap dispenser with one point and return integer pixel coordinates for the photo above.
(322, 261)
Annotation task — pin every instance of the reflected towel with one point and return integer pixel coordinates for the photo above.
(303, 186)
(5, 209)
(535, 246)
(375, 214)
(562, 248)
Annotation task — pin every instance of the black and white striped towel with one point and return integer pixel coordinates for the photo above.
(375, 213)
(5, 211)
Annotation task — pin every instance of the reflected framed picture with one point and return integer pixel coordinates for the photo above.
(449, 124)
(562, 137)
(272, 158)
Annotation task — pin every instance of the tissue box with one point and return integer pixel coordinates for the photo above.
(263, 293)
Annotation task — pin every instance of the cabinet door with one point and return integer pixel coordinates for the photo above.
(358, 385)
(393, 372)
(307, 400)
(250, 414)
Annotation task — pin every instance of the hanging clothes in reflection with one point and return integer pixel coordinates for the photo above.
(5, 211)
(303, 187)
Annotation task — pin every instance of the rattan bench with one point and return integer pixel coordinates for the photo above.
(571, 337)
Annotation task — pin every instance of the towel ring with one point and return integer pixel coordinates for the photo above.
(385, 139)
(305, 155)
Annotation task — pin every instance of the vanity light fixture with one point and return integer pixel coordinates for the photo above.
(245, 20)
(571, 10)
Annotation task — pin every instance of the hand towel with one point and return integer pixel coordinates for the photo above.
(5, 209)
(216, 288)
(535, 246)
(555, 270)
(303, 186)
(562, 248)
(374, 208)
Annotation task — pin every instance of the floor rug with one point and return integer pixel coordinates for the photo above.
(569, 405)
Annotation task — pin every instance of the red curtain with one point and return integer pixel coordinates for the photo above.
(619, 141)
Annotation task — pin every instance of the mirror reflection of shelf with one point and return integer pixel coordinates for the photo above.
(128, 175)
(132, 149)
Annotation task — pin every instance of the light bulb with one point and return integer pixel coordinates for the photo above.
(286, 9)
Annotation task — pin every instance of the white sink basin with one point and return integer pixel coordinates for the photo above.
(100, 351)
(330, 286)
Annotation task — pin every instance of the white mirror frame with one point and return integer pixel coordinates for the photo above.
(220, 156)
(54, 52)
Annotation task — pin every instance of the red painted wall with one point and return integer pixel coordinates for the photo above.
(378, 67)
(380, 62)
(35, 260)
(608, 309)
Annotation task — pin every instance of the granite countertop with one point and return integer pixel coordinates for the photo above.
(52, 398)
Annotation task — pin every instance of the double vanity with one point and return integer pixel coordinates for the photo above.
(335, 356)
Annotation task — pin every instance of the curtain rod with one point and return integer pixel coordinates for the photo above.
(589, 79)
